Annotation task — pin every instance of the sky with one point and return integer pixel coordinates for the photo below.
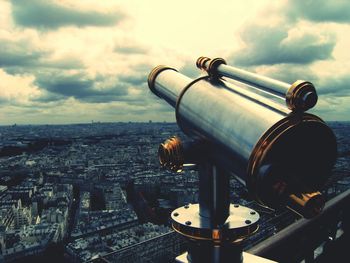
(77, 61)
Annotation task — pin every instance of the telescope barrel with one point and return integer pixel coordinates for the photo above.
(301, 95)
(218, 112)
(249, 135)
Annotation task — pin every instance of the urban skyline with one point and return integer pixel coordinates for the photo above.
(76, 193)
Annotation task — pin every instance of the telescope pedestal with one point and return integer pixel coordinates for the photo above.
(214, 227)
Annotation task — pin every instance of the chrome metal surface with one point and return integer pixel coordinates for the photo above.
(213, 110)
(276, 103)
(241, 223)
(284, 158)
(168, 82)
(299, 96)
(275, 86)
(214, 194)
(250, 133)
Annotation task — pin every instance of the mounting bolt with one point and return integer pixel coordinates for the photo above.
(188, 223)
(252, 213)
(235, 205)
(186, 206)
(176, 214)
(248, 222)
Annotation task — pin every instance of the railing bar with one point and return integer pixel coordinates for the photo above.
(277, 240)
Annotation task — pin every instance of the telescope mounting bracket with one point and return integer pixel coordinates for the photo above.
(214, 227)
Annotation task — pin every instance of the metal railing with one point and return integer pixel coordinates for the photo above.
(306, 238)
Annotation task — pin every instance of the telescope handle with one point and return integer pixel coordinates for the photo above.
(299, 96)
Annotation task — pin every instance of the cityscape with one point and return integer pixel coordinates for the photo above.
(84, 108)
(79, 193)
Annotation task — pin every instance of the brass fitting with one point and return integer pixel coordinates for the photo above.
(306, 204)
(171, 154)
(200, 63)
(209, 65)
(153, 74)
(301, 96)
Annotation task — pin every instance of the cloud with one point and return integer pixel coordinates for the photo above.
(81, 87)
(65, 61)
(135, 79)
(290, 43)
(337, 86)
(269, 45)
(190, 70)
(130, 49)
(44, 14)
(18, 53)
(320, 10)
(17, 89)
(23, 53)
(288, 73)
(3, 101)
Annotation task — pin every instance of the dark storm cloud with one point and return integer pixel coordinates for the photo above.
(336, 87)
(80, 87)
(134, 80)
(62, 63)
(68, 86)
(3, 101)
(48, 97)
(139, 75)
(269, 45)
(320, 10)
(44, 14)
(22, 56)
(17, 54)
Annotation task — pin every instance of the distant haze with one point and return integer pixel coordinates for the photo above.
(73, 61)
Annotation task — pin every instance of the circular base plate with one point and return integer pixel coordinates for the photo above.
(241, 223)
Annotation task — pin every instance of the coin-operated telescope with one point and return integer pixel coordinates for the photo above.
(254, 128)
